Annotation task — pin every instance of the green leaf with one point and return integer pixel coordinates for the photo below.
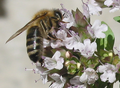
(73, 12)
(117, 18)
(100, 44)
(100, 84)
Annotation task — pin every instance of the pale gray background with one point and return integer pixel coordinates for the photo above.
(13, 56)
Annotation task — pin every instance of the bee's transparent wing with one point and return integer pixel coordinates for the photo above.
(21, 30)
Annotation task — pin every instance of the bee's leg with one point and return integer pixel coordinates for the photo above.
(50, 36)
(44, 27)
(48, 30)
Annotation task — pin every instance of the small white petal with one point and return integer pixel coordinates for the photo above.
(104, 77)
(75, 80)
(112, 77)
(49, 63)
(86, 11)
(108, 2)
(68, 17)
(114, 9)
(55, 76)
(56, 55)
(96, 24)
(59, 65)
(84, 78)
(59, 81)
(101, 68)
(99, 34)
(93, 46)
(104, 27)
(57, 44)
(94, 8)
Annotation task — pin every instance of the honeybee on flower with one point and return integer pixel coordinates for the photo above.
(82, 55)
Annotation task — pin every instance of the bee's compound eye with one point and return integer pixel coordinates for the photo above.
(58, 14)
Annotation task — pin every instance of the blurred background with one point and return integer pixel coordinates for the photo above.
(14, 14)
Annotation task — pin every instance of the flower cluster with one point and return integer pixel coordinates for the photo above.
(83, 54)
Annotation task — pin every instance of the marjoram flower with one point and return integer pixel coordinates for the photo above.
(97, 29)
(114, 3)
(56, 62)
(77, 83)
(89, 76)
(94, 8)
(109, 72)
(59, 81)
(43, 72)
(86, 49)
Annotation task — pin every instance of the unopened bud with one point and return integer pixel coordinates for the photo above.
(68, 54)
(67, 63)
(78, 65)
(110, 54)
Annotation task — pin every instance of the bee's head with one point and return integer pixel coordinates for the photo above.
(58, 15)
(57, 18)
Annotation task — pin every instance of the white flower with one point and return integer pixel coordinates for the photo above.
(76, 82)
(43, 73)
(94, 8)
(62, 35)
(97, 29)
(115, 9)
(59, 81)
(55, 62)
(89, 76)
(78, 86)
(87, 49)
(86, 10)
(109, 72)
(57, 44)
(108, 2)
(72, 41)
(114, 3)
(68, 18)
(68, 42)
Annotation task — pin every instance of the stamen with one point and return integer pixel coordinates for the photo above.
(29, 69)
(32, 63)
(37, 80)
(116, 49)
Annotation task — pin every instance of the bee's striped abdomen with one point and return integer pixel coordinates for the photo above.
(34, 44)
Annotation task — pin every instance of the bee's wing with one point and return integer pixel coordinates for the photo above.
(21, 30)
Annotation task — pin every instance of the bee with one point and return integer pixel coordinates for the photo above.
(40, 27)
